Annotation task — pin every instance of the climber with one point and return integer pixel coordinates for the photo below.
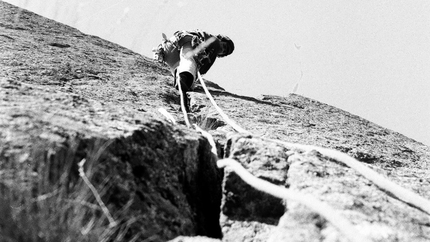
(189, 52)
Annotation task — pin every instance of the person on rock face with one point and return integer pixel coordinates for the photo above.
(189, 52)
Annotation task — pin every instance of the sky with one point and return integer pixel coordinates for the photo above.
(370, 58)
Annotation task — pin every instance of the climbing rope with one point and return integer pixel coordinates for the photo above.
(331, 215)
(314, 204)
(397, 191)
(167, 115)
(383, 183)
(223, 115)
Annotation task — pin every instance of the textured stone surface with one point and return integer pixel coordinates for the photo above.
(374, 212)
(65, 96)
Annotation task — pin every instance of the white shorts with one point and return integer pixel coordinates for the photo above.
(187, 64)
(179, 60)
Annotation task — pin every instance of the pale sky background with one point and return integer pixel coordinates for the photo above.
(371, 58)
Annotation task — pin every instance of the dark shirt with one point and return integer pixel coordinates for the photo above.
(207, 58)
(212, 53)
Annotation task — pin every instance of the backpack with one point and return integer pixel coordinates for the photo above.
(165, 47)
(168, 46)
(197, 37)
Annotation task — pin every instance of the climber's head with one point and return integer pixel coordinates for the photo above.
(227, 45)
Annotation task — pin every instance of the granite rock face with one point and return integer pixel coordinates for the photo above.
(66, 96)
(374, 212)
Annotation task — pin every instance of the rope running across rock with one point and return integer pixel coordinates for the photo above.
(399, 192)
(331, 215)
